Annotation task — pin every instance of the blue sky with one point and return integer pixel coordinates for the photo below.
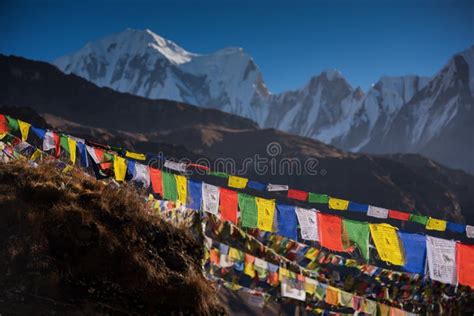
(290, 40)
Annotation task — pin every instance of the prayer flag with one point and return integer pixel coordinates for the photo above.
(330, 231)
(293, 288)
(170, 191)
(378, 212)
(297, 194)
(228, 205)
(266, 213)
(465, 264)
(93, 153)
(72, 149)
(455, 228)
(248, 210)
(38, 131)
(345, 298)
(369, 307)
(141, 174)
(81, 147)
(308, 223)
(210, 198)
(358, 233)
(12, 124)
(249, 265)
(120, 168)
(399, 215)
(357, 207)
(332, 295)
(51, 141)
(156, 180)
(318, 198)
(435, 224)
(470, 231)
(287, 221)
(177, 166)
(24, 129)
(237, 182)
(3, 124)
(441, 255)
(415, 252)
(256, 185)
(277, 187)
(182, 188)
(386, 241)
(338, 204)
(420, 219)
(194, 195)
(310, 285)
(136, 156)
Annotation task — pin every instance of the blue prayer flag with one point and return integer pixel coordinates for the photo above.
(287, 221)
(131, 168)
(456, 228)
(415, 252)
(256, 185)
(83, 154)
(38, 131)
(194, 195)
(356, 207)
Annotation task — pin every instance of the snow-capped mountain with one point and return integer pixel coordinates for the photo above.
(398, 114)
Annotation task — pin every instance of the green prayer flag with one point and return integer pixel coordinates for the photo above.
(64, 143)
(420, 219)
(248, 210)
(219, 174)
(170, 191)
(358, 232)
(107, 157)
(318, 198)
(12, 124)
(320, 292)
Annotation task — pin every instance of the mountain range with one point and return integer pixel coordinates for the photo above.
(406, 114)
(73, 105)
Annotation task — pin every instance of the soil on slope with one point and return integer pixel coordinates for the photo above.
(72, 245)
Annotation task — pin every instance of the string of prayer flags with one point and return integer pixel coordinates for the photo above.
(141, 174)
(297, 194)
(465, 264)
(266, 214)
(194, 195)
(338, 204)
(256, 185)
(156, 180)
(318, 198)
(287, 221)
(358, 233)
(136, 156)
(456, 228)
(248, 210)
(378, 212)
(276, 187)
(169, 186)
(415, 252)
(387, 244)
(470, 231)
(228, 205)
(441, 254)
(420, 219)
(210, 198)
(249, 265)
(330, 231)
(308, 223)
(394, 214)
(24, 129)
(237, 182)
(357, 207)
(435, 224)
(120, 168)
(182, 188)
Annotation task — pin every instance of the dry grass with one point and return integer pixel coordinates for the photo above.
(70, 243)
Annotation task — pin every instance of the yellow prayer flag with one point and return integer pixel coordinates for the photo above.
(435, 224)
(72, 149)
(36, 155)
(386, 241)
(282, 272)
(310, 285)
(338, 204)
(24, 129)
(181, 186)
(266, 212)
(311, 253)
(237, 182)
(249, 268)
(235, 254)
(2, 135)
(120, 168)
(136, 156)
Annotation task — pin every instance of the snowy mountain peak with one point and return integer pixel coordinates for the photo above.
(332, 74)
(468, 56)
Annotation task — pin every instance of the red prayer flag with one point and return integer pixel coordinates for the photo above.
(228, 205)
(297, 194)
(156, 180)
(465, 264)
(3, 124)
(330, 231)
(399, 215)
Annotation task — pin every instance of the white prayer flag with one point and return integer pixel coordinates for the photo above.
(277, 187)
(470, 231)
(48, 141)
(225, 261)
(210, 198)
(441, 259)
(293, 289)
(142, 175)
(91, 152)
(308, 223)
(259, 263)
(178, 166)
(378, 212)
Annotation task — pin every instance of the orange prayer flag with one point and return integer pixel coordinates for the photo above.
(330, 231)
(332, 295)
(465, 264)
(228, 205)
(214, 256)
(156, 180)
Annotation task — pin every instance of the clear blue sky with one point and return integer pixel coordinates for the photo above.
(290, 40)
